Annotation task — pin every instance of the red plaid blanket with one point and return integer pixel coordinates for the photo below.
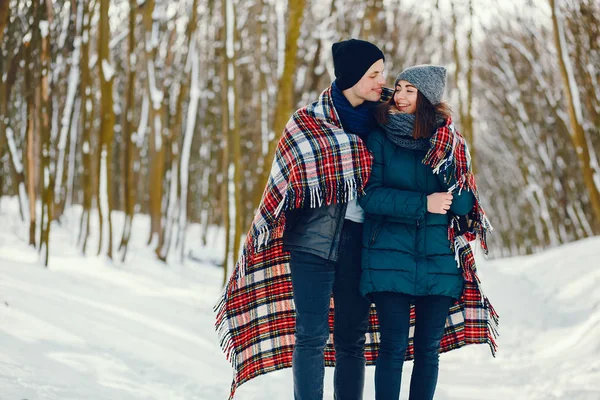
(316, 163)
(449, 155)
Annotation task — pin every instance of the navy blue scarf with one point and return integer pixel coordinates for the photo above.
(358, 120)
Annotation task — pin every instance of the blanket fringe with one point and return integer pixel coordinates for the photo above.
(465, 259)
(320, 195)
(492, 324)
(294, 199)
(262, 238)
(222, 328)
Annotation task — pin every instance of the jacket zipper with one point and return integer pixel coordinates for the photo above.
(376, 232)
(338, 233)
(418, 221)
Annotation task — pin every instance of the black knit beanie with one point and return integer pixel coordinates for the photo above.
(351, 59)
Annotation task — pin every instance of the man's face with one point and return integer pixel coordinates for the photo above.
(370, 86)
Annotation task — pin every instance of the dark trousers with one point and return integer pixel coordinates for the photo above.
(314, 279)
(393, 311)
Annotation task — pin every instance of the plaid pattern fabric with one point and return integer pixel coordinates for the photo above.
(316, 163)
(449, 155)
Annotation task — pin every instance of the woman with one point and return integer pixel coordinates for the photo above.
(407, 255)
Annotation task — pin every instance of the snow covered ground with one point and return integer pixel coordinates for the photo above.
(89, 329)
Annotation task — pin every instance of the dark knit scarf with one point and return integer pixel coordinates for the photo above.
(358, 120)
(399, 129)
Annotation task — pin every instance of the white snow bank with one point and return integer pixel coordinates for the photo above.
(88, 329)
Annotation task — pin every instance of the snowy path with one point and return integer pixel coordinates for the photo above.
(85, 336)
(85, 329)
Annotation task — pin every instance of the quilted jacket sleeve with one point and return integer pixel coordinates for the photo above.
(462, 203)
(386, 201)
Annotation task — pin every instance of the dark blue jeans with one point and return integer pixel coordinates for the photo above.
(393, 311)
(314, 279)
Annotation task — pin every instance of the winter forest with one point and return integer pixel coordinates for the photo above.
(136, 138)
(173, 109)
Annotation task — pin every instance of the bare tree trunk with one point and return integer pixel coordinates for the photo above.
(9, 61)
(575, 113)
(263, 103)
(372, 28)
(72, 155)
(170, 150)
(129, 176)
(285, 89)
(47, 179)
(192, 79)
(156, 158)
(465, 106)
(210, 190)
(30, 171)
(86, 124)
(107, 122)
(19, 175)
(457, 63)
(468, 121)
(4, 16)
(226, 139)
(234, 129)
(582, 17)
(60, 187)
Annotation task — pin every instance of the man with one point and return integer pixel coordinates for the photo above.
(309, 209)
(325, 246)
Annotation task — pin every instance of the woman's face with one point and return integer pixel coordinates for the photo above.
(405, 97)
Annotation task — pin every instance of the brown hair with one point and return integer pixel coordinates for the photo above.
(382, 111)
(426, 115)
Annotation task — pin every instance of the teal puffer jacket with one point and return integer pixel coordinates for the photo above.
(405, 247)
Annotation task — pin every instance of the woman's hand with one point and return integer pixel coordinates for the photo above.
(439, 203)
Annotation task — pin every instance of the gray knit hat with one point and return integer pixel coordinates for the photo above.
(430, 80)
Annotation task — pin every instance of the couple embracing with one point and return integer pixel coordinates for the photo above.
(360, 251)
